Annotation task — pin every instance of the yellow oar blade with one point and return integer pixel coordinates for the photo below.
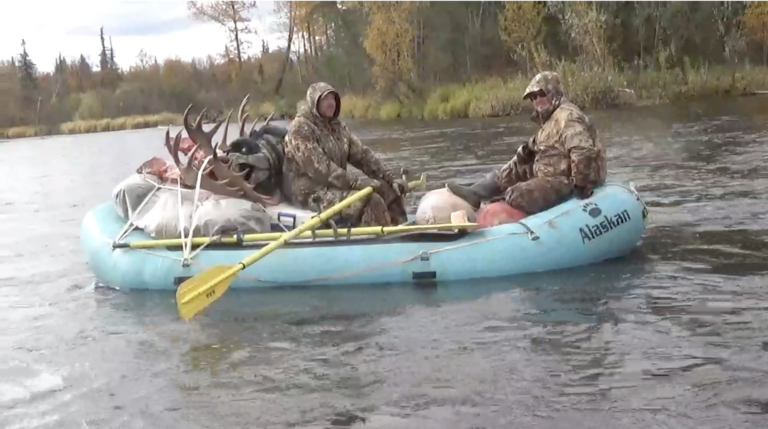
(206, 287)
(201, 290)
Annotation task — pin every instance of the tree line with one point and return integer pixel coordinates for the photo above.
(397, 51)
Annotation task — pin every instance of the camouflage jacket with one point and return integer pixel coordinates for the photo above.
(317, 152)
(565, 145)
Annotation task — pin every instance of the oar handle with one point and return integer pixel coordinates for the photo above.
(420, 184)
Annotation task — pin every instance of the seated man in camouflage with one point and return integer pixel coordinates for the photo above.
(564, 158)
(317, 149)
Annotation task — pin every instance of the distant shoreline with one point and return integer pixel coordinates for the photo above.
(494, 97)
(125, 123)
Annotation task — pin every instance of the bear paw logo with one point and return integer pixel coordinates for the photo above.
(591, 209)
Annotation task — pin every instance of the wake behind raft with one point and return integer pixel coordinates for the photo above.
(142, 239)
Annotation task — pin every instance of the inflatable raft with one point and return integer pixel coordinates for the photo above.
(608, 225)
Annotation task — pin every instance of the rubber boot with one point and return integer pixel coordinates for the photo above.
(484, 189)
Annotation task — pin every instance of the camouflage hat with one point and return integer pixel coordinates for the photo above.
(546, 81)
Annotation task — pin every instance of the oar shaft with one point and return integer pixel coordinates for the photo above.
(320, 233)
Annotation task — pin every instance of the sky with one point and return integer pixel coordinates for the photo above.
(162, 28)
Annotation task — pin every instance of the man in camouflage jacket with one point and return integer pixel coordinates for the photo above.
(564, 158)
(317, 149)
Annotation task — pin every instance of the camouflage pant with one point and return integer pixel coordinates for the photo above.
(538, 194)
(371, 211)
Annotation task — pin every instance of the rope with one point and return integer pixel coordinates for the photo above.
(531, 233)
(186, 244)
(386, 264)
(129, 225)
(187, 256)
(186, 247)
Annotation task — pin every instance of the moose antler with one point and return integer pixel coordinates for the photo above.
(242, 118)
(227, 182)
(188, 173)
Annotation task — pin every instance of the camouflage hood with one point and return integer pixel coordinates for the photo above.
(307, 108)
(549, 82)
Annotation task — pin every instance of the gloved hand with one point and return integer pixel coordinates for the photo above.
(364, 182)
(582, 192)
(400, 186)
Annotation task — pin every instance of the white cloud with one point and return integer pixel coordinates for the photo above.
(162, 28)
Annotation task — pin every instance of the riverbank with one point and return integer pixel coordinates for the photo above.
(492, 97)
(496, 97)
(93, 126)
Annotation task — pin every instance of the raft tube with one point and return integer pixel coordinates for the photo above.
(608, 225)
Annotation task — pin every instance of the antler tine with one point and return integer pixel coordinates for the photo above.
(189, 173)
(253, 126)
(185, 119)
(212, 132)
(242, 115)
(167, 142)
(199, 136)
(243, 120)
(173, 148)
(186, 172)
(243, 104)
(176, 148)
(199, 120)
(222, 144)
(269, 118)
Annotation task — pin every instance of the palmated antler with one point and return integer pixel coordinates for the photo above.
(188, 173)
(228, 182)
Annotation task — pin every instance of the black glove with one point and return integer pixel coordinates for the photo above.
(582, 192)
(365, 182)
(400, 186)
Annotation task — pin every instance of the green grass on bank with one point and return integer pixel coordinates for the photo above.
(93, 126)
(491, 97)
(598, 90)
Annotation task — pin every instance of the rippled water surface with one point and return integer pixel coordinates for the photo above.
(674, 336)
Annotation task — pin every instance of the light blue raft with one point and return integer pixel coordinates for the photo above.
(608, 225)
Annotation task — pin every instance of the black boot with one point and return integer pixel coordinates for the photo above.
(484, 189)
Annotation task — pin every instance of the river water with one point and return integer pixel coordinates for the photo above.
(675, 336)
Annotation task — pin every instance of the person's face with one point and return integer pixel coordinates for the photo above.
(327, 106)
(540, 101)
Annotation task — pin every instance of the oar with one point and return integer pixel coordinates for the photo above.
(342, 233)
(203, 289)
